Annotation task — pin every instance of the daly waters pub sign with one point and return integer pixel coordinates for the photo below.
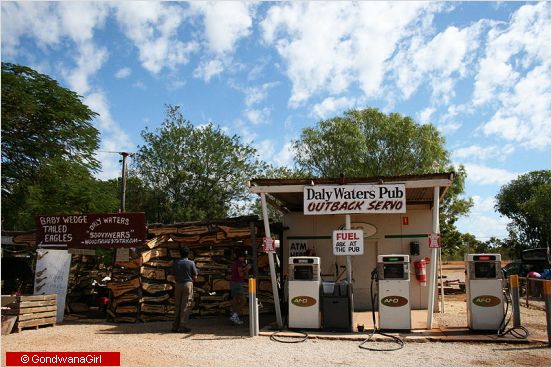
(90, 231)
(360, 198)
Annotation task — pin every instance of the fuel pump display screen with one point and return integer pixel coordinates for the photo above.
(302, 272)
(393, 271)
(485, 270)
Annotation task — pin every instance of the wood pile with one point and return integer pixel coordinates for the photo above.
(85, 272)
(32, 311)
(212, 247)
(126, 291)
(157, 302)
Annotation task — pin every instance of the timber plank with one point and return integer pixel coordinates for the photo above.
(35, 298)
(36, 322)
(30, 316)
(16, 311)
(42, 303)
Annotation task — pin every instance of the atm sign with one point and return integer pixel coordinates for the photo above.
(303, 301)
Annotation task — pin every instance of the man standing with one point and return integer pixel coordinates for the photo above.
(239, 275)
(184, 273)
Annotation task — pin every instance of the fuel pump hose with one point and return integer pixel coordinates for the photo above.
(395, 339)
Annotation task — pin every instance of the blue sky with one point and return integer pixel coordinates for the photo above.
(479, 71)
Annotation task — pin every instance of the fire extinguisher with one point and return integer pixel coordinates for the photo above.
(420, 267)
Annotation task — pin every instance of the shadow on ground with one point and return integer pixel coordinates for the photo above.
(219, 327)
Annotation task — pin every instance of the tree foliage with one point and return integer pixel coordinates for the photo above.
(60, 187)
(194, 173)
(42, 120)
(526, 202)
(370, 143)
(48, 145)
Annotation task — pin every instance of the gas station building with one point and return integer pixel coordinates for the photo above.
(388, 227)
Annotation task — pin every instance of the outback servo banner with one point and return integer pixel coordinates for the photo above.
(360, 198)
(91, 231)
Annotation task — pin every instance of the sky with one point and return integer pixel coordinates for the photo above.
(479, 71)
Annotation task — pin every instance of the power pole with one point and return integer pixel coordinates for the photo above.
(123, 180)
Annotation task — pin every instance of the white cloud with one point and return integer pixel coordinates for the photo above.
(79, 19)
(527, 34)
(244, 131)
(328, 46)
(484, 175)
(484, 225)
(153, 28)
(257, 116)
(525, 113)
(332, 105)
(424, 116)
(285, 156)
(89, 60)
(209, 69)
(483, 153)
(265, 149)
(113, 137)
(256, 94)
(123, 73)
(511, 78)
(441, 61)
(36, 20)
(225, 23)
(483, 221)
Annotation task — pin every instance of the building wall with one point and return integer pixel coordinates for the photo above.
(391, 237)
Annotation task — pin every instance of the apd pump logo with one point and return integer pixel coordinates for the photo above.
(486, 301)
(394, 301)
(303, 301)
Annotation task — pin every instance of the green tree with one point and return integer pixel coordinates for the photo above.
(42, 120)
(526, 202)
(140, 197)
(200, 171)
(370, 143)
(44, 126)
(62, 187)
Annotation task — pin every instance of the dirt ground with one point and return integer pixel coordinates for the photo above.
(215, 342)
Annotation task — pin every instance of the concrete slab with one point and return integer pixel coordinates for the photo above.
(417, 334)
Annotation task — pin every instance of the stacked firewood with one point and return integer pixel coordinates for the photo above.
(125, 291)
(157, 302)
(85, 275)
(212, 248)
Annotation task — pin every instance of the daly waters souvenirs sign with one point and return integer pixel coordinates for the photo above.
(90, 231)
(361, 198)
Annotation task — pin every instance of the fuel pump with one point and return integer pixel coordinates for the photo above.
(484, 291)
(393, 272)
(304, 292)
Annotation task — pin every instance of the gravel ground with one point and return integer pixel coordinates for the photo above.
(215, 342)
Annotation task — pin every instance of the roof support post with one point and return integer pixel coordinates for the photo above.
(433, 262)
(350, 274)
(271, 264)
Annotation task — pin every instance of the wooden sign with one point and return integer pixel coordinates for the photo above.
(91, 231)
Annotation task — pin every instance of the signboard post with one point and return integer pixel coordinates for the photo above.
(91, 231)
(348, 243)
